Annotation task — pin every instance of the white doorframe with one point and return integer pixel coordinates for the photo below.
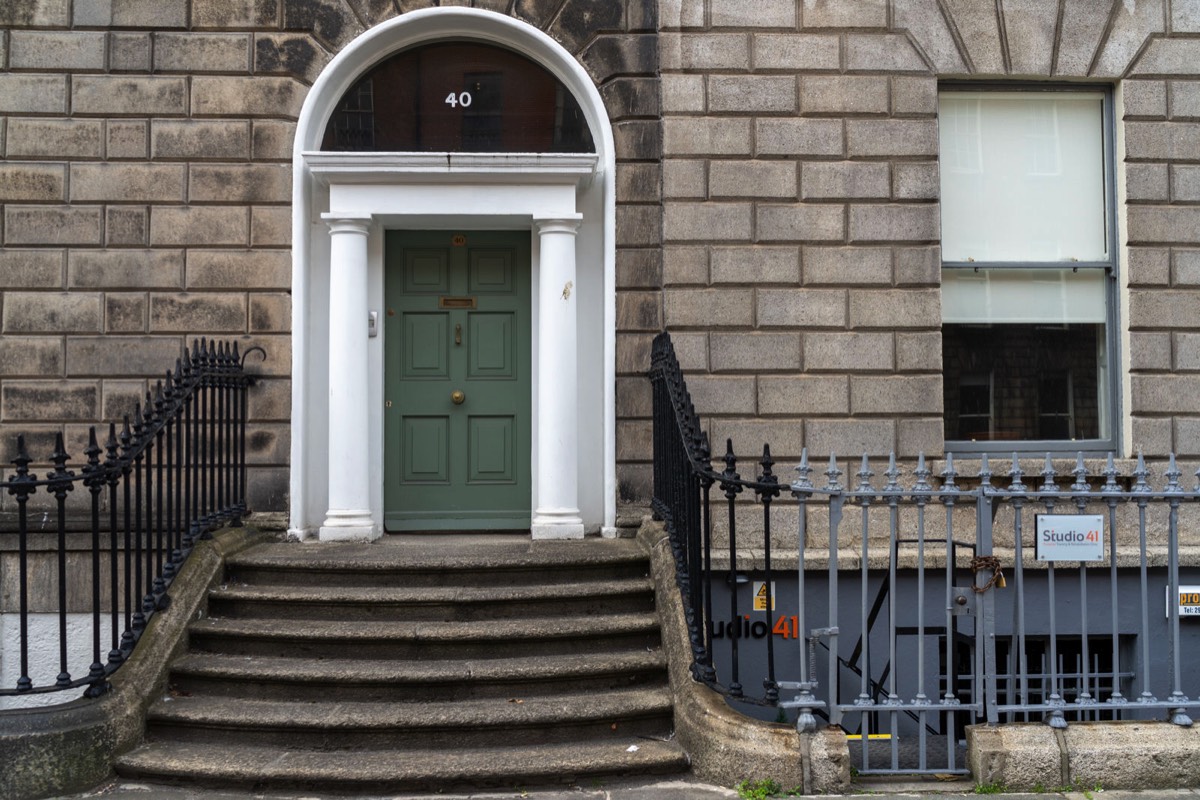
(423, 191)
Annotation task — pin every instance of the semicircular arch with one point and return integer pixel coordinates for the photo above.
(313, 337)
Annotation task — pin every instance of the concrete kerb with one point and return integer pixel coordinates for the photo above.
(726, 747)
(48, 751)
(1112, 755)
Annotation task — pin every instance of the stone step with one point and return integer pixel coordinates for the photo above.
(461, 602)
(416, 663)
(275, 769)
(425, 640)
(268, 677)
(339, 725)
(428, 561)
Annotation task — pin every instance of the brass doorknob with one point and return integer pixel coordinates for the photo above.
(457, 397)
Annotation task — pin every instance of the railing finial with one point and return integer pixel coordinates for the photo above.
(803, 470)
(893, 474)
(1110, 476)
(923, 474)
(832, 473)
(22, 459)
(1016, 474)
(1081, 475)
(1048, 475)
(864, 476)
(949, 474)
(768, 478)
(985, 473)
(731, 481)
(1172, 474)
(1141, 473)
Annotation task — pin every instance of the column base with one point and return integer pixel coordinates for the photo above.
(349, 526)
(561, 525)
(349, 533)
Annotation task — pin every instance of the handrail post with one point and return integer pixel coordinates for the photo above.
(985, 633)
(23, 484)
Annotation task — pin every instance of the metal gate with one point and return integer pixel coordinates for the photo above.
(905, 609)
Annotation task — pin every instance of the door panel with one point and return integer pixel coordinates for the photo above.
(492, 349)
(426, 450)
(491, 455)
(426, 271)
(426, 348)
(490, 271)
(457, 320)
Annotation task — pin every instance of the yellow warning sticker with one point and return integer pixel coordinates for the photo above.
(760, 596)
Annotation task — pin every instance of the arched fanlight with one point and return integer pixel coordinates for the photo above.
(458, 97)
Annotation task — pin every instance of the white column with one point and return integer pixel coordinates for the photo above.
(557, 513)
(349, 514)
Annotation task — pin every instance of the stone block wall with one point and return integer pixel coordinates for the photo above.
(145, 191)
(777, 188)
(801, 266)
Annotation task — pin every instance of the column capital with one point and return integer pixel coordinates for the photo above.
(565, 223)
(347, 223)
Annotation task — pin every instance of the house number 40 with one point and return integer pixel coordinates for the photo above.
(461, 99)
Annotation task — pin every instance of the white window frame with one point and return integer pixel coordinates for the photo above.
(1109, 397)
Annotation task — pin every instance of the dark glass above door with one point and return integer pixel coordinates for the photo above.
(458, 97)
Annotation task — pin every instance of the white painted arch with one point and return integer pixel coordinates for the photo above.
(423, 191)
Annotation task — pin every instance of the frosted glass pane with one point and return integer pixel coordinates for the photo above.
(1022, 176)
(1023, 295)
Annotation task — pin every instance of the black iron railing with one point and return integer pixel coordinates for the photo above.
(683, 482)
(173, 472)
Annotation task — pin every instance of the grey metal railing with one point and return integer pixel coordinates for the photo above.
(926, 594)
(922, 559)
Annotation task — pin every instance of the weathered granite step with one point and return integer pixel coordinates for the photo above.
(429, 561)
(324, 725)
(454, 602)
(425, 640)
(416, 663)
(269, 768)
(268, 677)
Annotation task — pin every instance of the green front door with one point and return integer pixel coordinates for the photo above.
(457, 380)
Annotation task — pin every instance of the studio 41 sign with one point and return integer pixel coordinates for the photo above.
(1069, 537)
